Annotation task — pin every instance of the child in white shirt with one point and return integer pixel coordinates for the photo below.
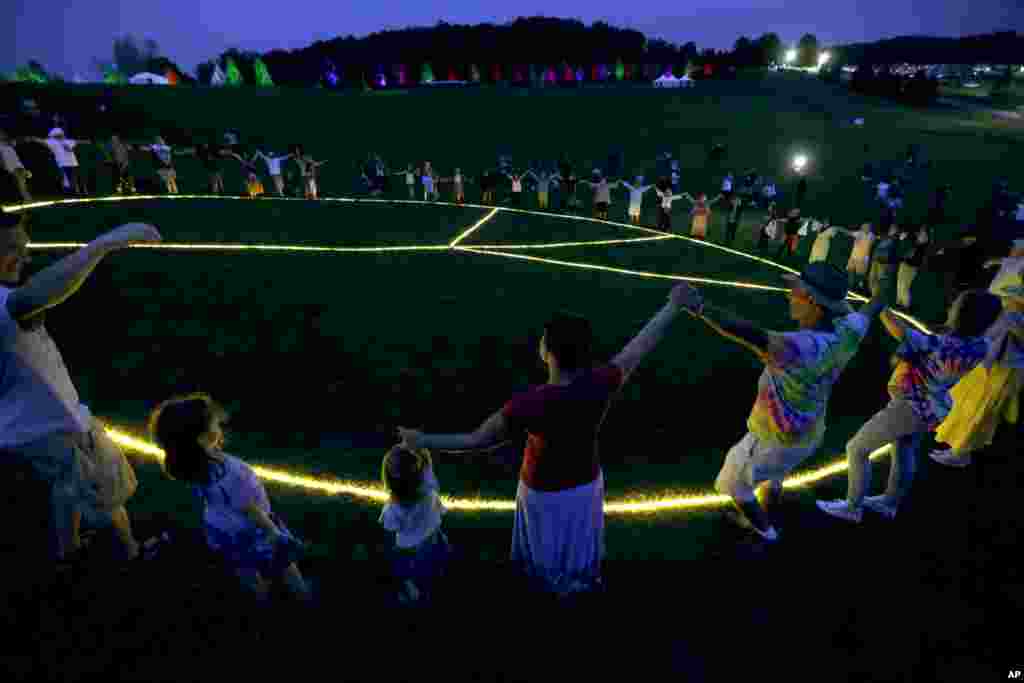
(413, 513)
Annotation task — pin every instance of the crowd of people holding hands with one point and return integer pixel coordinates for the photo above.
(959, 383)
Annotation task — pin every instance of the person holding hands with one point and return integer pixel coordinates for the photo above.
(558, 535)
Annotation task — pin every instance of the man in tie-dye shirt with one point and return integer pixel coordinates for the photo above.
(927, 367)
(787, 423)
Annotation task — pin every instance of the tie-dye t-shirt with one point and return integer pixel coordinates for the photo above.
(929, 366)
(793, 392)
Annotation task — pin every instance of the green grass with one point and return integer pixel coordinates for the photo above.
(306, 345)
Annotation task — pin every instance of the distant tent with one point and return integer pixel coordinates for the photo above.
(262, 74)
(217, 78)
(666, 81)
(233, 76)
(567, 73)
(474, 73)
(452, 74)
(400, 74)
(580, 76)
(78, 78)
(549, 75)
(148, 79)
(518, 74)
(595, 73)
(496, 73)
(628, 72)
(427, 75)
(172, 77)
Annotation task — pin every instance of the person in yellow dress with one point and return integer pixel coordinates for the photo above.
(991, 392)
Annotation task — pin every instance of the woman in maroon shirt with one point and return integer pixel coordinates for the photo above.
(558, 537)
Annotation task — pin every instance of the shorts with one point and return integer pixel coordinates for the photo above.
(601, 206)
(753, 461)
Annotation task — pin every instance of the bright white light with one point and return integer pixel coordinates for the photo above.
(823, 58)
(799, 162)
(790, 56)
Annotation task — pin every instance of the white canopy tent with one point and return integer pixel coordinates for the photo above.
(670, 81)
(148, 79)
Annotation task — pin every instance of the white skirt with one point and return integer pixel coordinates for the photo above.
(558, 537)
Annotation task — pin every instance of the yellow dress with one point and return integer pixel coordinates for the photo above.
(981, 400)
(986, 396)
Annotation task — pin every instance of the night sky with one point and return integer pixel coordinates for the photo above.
(64, 35)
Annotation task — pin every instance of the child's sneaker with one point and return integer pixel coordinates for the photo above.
(881, 506)
(950, 459)
(840, 509)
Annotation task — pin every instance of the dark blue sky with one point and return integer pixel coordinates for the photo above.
(66, 34)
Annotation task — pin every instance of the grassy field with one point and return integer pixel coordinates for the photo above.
(320, 356)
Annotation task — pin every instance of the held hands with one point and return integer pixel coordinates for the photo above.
(685, 296)
(128, 234)
(411, 438)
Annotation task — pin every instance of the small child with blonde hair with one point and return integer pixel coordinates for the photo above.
(413, 513)
(238, 522)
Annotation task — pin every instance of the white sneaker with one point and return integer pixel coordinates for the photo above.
(878, 504)
(840, 509)
(950, 459)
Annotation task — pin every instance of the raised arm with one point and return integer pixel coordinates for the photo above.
(629, 187)
(493, 431)
(644, 342)
(59, 281)
(732, 327)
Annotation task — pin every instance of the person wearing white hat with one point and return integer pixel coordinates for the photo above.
(990, 392)
(787, 423)
(63, 151)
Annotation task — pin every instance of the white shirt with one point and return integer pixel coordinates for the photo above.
(636, 194)
(63, 152)
(883, 190)
(10, 159)
(666, 199)
(273, 163)
(37, 398)
(727, 185)
(412, 525)
(410, 178)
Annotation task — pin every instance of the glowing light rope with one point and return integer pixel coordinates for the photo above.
(623, 271)
(592, 243)
(639, 505)
(172, 246)
(377, 494)
(473, 228)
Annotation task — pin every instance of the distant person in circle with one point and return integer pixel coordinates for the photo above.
(42, 422)
(787, 423)
(63, 151)
(211, 157)
(910, 264)
(558, 535)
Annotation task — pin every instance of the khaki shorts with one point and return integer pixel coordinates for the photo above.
(167, 173)
(753, 461)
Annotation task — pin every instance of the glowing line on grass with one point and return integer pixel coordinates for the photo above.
(172, 246)
(552, 245)
(377, 494)
(473, 228)
(661, 276)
